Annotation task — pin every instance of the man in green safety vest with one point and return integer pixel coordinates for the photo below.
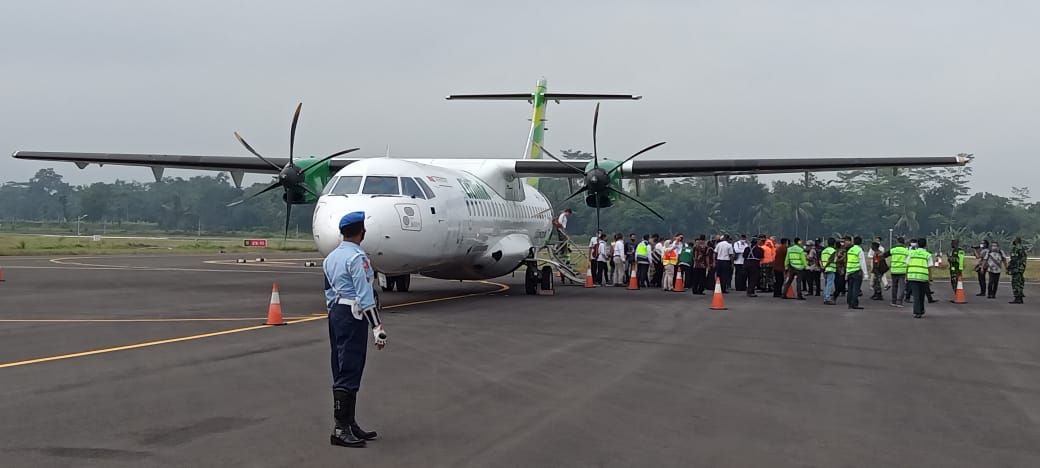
(898, 256)
(956, 263)
(829, 263)
(918, 273)
(855, 270)
(795, 263)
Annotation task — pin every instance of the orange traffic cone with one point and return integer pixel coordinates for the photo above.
(789, 294)
(274, 311)
(680, 285)
(716, 300)
(958, 295)
(633, 281)
(588, 278)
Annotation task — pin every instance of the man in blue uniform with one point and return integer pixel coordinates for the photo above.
(352, 312)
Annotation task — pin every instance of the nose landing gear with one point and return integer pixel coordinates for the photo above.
(538, 282)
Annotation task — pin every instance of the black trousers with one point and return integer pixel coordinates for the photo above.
(794, 277)
(982, 282)
(778, 283)
(918, 289)
(855, 280)
(602, 269)
(658, 275)
(740, 277)
(814, 282)
(642, 274)
(992, 283)
(752, 274)
(724, 269)
(696, 280)
(349, 339)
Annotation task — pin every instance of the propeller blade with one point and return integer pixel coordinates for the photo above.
(251, 150)
(565, 163)
(288, 213)
(595, 125)
(570, 184)
(623, 194)
(307, 189)
(579, 192)
(326, 158)
(268, 189)
(292, 132)
(648, 148)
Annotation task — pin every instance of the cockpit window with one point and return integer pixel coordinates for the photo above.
(426, 188)
(410, 189)
(379, 185)
(346, 185)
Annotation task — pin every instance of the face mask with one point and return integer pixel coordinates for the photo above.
(913, 245)
(994, 248)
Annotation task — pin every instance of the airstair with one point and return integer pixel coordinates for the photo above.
(566, 258)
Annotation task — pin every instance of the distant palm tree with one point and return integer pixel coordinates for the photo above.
(802, 213)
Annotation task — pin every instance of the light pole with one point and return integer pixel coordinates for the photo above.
(890, 238)
(78, 222)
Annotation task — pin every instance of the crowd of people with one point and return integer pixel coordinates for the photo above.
(796, 268)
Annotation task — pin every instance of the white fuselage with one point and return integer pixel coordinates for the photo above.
(462, 219)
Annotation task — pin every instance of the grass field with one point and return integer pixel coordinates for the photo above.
(20, 244)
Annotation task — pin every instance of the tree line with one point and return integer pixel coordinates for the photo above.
(933, 202)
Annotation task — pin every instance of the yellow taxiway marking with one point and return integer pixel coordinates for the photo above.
(501, 287)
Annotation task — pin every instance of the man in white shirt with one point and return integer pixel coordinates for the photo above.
(603, 260)
(738, 262)
(594, 256)
(620, 276)
(561, 224)
(724, 262)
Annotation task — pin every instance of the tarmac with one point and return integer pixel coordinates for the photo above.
(138, 361)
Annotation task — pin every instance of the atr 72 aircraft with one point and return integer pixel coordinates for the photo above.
(462, 219)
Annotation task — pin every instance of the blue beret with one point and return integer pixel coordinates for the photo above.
(351, 218)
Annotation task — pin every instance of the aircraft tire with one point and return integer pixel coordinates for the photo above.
(531, 279)
(403, 282)
(547, 278)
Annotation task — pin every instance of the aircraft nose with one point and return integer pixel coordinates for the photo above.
(331, 209)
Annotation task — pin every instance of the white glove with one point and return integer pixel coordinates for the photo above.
(380, 336)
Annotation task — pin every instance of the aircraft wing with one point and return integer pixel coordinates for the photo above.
(237, 165)
(648, 168)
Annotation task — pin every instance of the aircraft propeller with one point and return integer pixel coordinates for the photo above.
(597, 179)
(291, 177)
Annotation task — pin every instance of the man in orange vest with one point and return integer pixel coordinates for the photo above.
(766, 265)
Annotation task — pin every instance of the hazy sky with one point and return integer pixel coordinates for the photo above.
(720, 79)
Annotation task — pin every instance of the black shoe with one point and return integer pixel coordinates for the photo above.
(800, 298)
(981, 294)
(1018, 300)
(362, 434)
(856, 307)
(932, 301)
(345, 438)
(756, 295)
(918, 315)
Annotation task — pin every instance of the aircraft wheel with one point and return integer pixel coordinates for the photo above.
(547, 278)
(531, 279)
(389, 284)
(403, 282)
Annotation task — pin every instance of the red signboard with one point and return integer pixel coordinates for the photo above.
(255, 242)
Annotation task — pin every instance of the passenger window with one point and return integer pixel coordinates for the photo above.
(426, 188)
(379, 185)
(347, 185)
(410, 189)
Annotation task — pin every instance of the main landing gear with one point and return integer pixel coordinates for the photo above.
(401, 282)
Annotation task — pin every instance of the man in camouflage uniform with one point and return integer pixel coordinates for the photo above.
(1017, 268)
